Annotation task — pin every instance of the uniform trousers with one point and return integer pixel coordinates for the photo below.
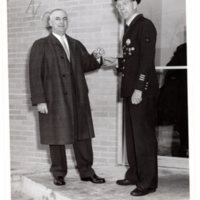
(141, 142)
(83, 155)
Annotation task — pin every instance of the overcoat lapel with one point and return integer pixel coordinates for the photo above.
(60, 52)
(71, 44)
(55, 41)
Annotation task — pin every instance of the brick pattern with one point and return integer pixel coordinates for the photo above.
(94, 23)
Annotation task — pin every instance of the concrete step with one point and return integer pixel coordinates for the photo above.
(20, 196)
(173, 184)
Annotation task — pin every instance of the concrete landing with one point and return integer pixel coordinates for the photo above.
(173, 185)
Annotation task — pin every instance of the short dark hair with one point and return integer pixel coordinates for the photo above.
(138, 1)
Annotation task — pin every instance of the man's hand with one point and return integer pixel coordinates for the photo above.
(42, 108)
(110, 62)
(98, 52)
(136, 97)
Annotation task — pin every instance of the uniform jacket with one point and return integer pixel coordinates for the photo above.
(137, 65)
(54, 80)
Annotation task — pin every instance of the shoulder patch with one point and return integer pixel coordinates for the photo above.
(147, 39)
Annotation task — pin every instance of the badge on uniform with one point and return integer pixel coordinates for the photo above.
(128, 42)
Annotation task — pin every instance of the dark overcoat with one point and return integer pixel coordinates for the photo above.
(62, 85)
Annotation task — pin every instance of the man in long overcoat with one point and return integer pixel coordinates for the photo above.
(139, 90)
(59, 90)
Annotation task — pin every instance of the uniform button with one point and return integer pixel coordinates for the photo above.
(123, 67)
(123, 60)
(122, 75)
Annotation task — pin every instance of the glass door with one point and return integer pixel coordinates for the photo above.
(172, 123)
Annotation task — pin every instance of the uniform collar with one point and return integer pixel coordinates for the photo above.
(134, 20)
(128, 22)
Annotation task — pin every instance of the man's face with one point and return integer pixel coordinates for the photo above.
(59, 22)
(125, 8)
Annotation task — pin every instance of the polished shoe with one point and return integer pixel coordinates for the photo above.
(59, 180)
(125, 182)
(141, 192)
(94, 179)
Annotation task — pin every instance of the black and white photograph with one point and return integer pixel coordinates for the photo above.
(100, 99)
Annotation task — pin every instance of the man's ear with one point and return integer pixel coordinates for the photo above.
(49, 22)
(135, 5)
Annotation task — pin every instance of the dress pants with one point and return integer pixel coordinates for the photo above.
(141, 142)
(83, 155)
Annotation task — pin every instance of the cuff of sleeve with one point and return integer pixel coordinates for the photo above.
(140, 85)
(100, 60)
(120, 65)
(37, 100)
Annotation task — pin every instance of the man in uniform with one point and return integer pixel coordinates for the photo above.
(139, 90)
(59, 90)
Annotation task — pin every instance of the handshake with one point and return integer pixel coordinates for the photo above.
(107, 61)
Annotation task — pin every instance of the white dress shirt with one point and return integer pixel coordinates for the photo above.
(63, 40)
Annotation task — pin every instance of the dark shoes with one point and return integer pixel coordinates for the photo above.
(125, 182)
(59, 180)
(94, 179)
(137, 191)
(141, 192)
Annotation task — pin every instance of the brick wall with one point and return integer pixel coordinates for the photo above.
(94, 23)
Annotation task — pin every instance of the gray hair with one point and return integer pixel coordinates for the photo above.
(49, 17)
(57, 9)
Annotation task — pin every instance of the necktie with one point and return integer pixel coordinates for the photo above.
(125, 28)
(65, 47)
